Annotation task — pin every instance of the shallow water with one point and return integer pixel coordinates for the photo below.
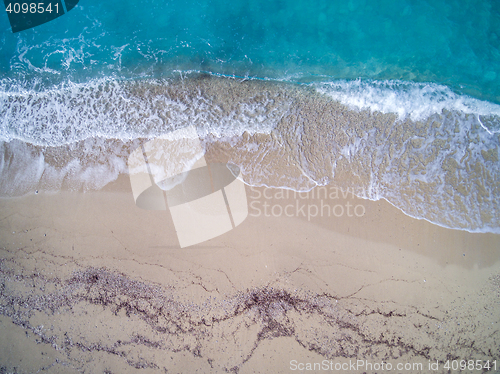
(441, 166)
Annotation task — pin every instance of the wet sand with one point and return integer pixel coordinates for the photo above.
(279, 134)
(91, 283)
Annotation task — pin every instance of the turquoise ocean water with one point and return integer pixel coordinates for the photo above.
(415, 59)
(451, 43)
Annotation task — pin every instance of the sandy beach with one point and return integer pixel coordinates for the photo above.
(92, 283)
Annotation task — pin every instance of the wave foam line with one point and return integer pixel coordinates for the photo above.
(128, 110)
(416, 101)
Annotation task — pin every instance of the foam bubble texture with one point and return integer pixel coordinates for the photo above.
(128, 110)
(417, 101)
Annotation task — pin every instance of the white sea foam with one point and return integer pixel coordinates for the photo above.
(119, 110)
(417, 101)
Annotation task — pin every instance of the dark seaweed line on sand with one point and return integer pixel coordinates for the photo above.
(277, 312)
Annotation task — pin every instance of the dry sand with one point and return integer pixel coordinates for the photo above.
(91, 283)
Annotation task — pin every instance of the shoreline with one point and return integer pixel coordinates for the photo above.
(279, 135)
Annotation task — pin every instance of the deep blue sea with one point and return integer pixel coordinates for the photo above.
(416, 59)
